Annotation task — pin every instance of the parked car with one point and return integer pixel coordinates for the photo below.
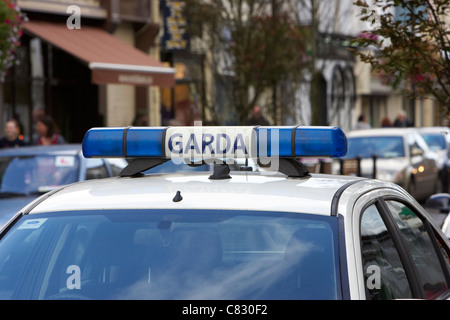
(28, 172)
(438, 207)
(401, 156)
(438, 139)
(231, 235)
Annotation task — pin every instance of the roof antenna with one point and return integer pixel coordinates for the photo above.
(177, 197)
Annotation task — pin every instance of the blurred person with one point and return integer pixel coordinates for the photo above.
(362, 123)
(47, 132)
(140, 120)
(166, 115)
(37, 113)
(257, 118)
(386, 122)
(12, 138)
(402, 121)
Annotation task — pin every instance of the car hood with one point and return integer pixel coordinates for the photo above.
(10, 206)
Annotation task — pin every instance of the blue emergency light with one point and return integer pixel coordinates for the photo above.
(202, 142)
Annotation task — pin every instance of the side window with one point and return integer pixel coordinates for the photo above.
(412, 144)
(117, 165)
(384, 275)
(421, 142)
(417, 144)
(422, 248)
(95, 169)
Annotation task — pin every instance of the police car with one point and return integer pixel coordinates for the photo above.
(277, 232)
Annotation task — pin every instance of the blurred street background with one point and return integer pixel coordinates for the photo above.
(93, 63)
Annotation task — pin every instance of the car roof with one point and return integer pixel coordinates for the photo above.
(291, 189)
(244, 191)
(66, 149)
(380, 132)
(434, 129)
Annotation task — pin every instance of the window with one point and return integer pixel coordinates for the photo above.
(384, 275)
(116, 165)
(416, 143)
(382, 147)
(36, 174)
(95, 169)
(436, 141)
(170, 254)
(401, 256)
(422, 249)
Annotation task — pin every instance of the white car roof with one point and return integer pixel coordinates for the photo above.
(244, 191)
(434, 129)
(289, 191)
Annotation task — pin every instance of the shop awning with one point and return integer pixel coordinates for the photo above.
(110, 59)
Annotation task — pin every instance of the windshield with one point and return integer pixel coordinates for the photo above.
(36, 174)
(381, 147)
(436, 141)
(170, 254)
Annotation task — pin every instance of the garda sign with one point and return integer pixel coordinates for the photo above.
(209, 143)
(221, 145)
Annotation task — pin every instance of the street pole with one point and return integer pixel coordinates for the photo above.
(315, 117)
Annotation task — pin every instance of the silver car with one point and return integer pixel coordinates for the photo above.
(28, 172)
(397, 155)
(438, 139)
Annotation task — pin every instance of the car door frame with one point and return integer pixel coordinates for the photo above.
(379, 198)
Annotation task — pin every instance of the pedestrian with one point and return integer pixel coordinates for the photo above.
(140, 120)
(12, 138)
(402, 121)
(47, 132)
(386, 122)
(362, 123)
(257, 118)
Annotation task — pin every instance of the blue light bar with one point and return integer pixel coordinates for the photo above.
(124, 142)
(200, 142)
(302, 141)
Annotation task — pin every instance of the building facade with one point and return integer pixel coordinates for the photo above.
(87, 63)
(380, 103)
(122, 62)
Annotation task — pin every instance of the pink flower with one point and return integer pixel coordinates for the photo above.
(369, 36)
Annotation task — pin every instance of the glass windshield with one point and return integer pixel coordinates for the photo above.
(36, 174)
(436, 141)
(168, 254)
(382, 147)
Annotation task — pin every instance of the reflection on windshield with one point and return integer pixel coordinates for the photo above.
(381, 147)
(170, 255)
(36, 174)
